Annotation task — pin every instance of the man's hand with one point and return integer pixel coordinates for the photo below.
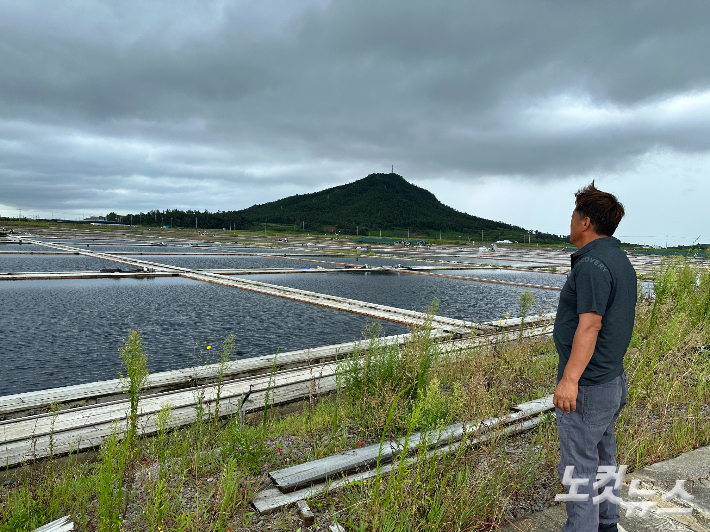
(585, 339)
(565, 397)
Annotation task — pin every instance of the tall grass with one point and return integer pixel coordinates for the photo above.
(227, 351)
(136, 363)
(668, 369)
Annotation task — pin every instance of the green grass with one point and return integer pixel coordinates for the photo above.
(204, 476)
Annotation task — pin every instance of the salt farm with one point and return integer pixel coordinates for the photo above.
(294, 307)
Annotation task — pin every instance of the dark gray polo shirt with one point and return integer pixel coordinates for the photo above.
(602, 280)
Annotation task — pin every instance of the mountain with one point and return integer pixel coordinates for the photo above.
(378, 201)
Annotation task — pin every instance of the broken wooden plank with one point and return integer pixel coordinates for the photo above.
(536, 406)
(63, 524)
(273, 499)
(29, 439)
(304, 512)
(300, 475)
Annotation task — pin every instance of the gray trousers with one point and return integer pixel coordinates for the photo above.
(587, 441)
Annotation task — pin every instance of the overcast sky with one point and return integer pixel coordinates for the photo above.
(502, 109)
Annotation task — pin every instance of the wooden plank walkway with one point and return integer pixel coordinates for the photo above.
(79, 429)
(84, 427)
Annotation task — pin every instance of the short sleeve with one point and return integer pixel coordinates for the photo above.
(593, 283)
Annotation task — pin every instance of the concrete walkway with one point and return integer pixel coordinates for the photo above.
(661, 477)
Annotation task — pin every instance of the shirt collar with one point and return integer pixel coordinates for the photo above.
(604, 241)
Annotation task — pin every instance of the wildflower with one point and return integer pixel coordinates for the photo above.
(209, 347)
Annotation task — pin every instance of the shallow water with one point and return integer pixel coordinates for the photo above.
(53, 263)
(23, 248)
(59, 333)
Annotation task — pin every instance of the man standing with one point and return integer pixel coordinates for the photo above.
(593, 327)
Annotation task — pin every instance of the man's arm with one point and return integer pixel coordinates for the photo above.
(585, 339)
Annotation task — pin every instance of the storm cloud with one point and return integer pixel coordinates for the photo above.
(131, 106)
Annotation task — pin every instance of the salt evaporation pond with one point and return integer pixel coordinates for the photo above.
(58, 333)
(465, 300)
(513, 276)
(23, 248)
(54, 263)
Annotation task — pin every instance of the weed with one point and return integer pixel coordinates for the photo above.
(526, 301)
(54, 412)
(112, 492)
(136, 363)
(157, 501)
(227, 350)
(267, 395)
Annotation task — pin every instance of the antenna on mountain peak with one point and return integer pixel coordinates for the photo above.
(393, 169)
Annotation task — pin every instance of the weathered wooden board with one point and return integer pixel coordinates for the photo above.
(294, 477)
(63, 524)
(68, 419)
(273, 499)
(538, 405)
(81, 429)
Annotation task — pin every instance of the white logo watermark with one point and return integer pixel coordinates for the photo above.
(605, 474)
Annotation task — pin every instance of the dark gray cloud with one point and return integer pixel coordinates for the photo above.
(140, 105)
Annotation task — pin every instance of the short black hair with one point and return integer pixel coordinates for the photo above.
(604, 209)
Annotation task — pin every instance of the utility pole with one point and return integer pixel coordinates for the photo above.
(439, 234)
(380, 233)
(303, 226)
(171, 222)
(195, 223)
(357, 230)
(481, 235)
